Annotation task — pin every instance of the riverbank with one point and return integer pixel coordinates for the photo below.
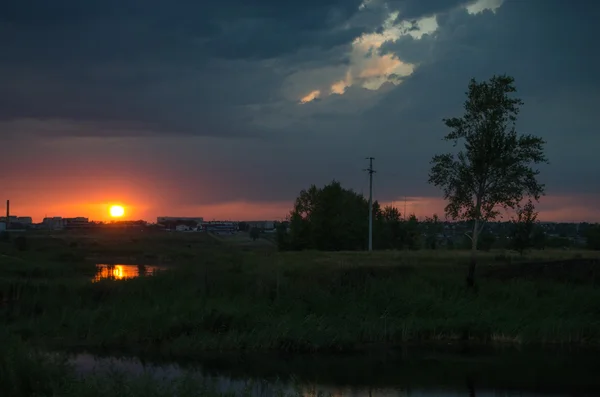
(220, 299)
(424, 368)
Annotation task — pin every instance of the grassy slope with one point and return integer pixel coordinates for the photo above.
(225, 299)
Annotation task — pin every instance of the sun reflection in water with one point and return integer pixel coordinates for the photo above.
(121, 272)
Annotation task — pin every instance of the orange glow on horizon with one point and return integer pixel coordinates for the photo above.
(551, 208)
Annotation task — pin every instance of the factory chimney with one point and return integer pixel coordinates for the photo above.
(7, 214)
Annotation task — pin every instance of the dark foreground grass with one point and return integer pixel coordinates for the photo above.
(223, 299)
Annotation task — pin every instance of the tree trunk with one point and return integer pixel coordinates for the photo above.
(473, 261)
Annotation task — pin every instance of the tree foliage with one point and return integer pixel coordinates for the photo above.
(332, 218)
(523, 228)
(387, 229)
(432, 228)
(495, 168)
(412, 234)
(393, 232)
(283, 237)
(592, 236)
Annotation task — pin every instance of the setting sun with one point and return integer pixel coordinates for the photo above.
(117, 211)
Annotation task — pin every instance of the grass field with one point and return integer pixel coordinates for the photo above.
(221, 297)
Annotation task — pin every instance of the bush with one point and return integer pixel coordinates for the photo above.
(27, 373)
(21, 243)
(68, 256)
(254, 233)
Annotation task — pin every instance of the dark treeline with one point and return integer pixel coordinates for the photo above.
(332, 218)
(335, 219)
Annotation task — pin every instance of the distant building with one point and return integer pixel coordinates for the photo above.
(173, 222)
(54, 223)
(17, 222)
(263, 225)
(76, 223)
(217, 227)
(178, 219)
(2, 226)
(11, 218)
(25, 220)
(59, 223)
(124, 225)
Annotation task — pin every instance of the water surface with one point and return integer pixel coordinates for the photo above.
(122, 271)
(422, 373)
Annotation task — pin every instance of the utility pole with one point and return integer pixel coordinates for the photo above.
(371, 171)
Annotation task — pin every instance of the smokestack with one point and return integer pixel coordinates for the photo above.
(7, 214)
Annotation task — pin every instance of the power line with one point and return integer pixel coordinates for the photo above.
(371, 171)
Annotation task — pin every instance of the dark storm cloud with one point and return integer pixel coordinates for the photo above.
(155, 64)
(180, 30)
(178, 67)
(546, 45)
(184, 69)
(409, 9)
(412, 50)
(159, 98)
(159, 22)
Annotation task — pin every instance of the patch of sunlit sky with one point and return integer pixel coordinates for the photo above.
(311, 96)
(370, 69)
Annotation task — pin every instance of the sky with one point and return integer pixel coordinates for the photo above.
(228, 109)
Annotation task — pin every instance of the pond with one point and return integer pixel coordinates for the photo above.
(122, 271)
(407, 373)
